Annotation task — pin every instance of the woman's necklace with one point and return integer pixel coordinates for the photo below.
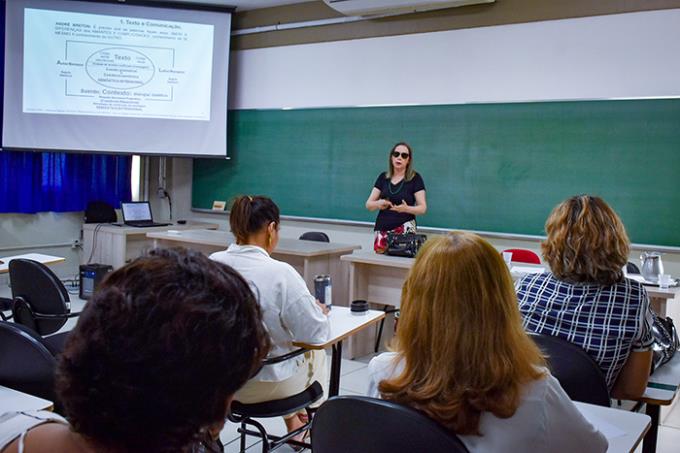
(394, 192)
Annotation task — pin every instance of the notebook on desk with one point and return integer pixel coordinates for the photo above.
(138, 214)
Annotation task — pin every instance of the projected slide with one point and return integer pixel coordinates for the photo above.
(89, 64)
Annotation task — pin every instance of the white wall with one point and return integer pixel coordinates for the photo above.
(613, 56)
(27, 233)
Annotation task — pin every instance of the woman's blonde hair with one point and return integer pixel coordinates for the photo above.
(461, 336)
(586, 241)
(410, 172)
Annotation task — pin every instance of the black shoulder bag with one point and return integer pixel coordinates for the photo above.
(404, 244)
(666, 340)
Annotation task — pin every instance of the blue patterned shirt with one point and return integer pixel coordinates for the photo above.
(608, 322)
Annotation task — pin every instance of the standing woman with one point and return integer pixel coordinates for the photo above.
(399, 195)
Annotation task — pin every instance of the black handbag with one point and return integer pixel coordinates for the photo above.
(404, 244)
(666, 341)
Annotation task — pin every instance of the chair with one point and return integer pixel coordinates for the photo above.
(41, 302)
(631, 268)
(524, 256)
(100, 212)
(26, 363)
(244, 414)
(317, 236)
(579, 375)
(347, 424)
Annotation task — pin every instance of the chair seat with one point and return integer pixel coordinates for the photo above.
(279, 407)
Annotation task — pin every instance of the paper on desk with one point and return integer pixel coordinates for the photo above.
(607, 429)
(527, 270)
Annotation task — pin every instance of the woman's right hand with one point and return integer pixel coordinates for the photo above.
(384, 204)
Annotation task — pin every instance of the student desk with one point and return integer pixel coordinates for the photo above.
(45, 259)
(623, 429)
(661, 390)
(309, 258)
(117, 245)
(343, 325)
(13, 401)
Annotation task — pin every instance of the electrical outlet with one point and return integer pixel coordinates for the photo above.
(77, 244)
(161, 192)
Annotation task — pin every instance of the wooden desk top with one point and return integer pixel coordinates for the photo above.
(122, 229)
(624, 430)
(344, 324)
(370, 257)
(14, 400)
(45, 259)
(286, 246)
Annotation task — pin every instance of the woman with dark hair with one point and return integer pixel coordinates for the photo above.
(290, 312)
(154, 361)
(462, 357)
(585, 299)
(399, 195)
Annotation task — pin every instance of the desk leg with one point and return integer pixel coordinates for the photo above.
(649, 443)
(336, 361)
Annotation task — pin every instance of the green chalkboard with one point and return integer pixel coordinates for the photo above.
(487, 167)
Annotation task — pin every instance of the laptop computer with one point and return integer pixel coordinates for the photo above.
(138, 214)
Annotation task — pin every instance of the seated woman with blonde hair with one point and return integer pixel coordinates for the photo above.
(462, 357)
(586, 300)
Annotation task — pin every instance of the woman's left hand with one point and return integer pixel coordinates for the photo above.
(403, 207)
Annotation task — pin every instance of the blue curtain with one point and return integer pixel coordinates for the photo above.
(35, 182)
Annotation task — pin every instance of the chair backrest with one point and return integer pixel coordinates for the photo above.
(317, 236)
(42, 291)
(25, 362)
(579, 375)
(346, 424)
(632, 268)
(524, 256)
(100, 212)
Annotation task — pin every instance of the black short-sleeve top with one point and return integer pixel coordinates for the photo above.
(395, 193)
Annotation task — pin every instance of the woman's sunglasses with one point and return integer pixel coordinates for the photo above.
(403, 155)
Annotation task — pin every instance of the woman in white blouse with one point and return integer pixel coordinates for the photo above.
(290, 312)
(462, 357)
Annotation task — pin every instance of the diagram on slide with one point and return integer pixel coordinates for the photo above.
(86, 64)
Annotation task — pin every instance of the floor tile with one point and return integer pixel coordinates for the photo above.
(672, 417)
(356, 381)
(668, 440)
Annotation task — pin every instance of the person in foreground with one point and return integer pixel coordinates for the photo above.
(153, 362)
(462, 357)
(399, 195)
(586, 299)
(290, 312)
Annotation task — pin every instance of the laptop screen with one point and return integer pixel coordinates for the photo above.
(134, 212)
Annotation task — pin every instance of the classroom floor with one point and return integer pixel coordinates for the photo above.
(354, 381)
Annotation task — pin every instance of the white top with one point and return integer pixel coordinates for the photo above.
(15, 425)
(545, 421)
(289, 310)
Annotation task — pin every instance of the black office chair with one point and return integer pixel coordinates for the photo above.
(317, 236)
(632, 268)
(100, 212)
(40, 301)
(244, 414)
(357, 424)
(26, 364)
(579, 375)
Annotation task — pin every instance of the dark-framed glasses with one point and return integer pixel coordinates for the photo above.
(403, 155)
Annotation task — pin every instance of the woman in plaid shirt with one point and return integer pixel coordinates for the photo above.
(585, 299)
